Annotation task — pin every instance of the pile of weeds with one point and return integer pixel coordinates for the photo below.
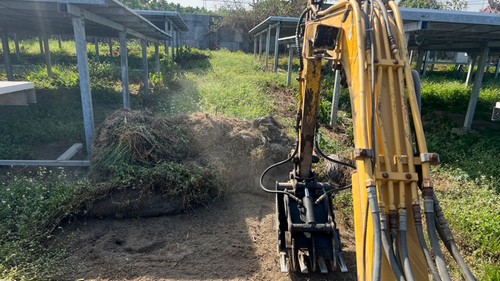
(140, 151)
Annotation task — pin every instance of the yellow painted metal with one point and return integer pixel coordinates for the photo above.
(393, 172)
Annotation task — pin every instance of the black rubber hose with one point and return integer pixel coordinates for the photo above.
(431, 230)
(377, 230)
(274, 166)
(447, 237)
(386, 243)
(320, 152)
(404, 246)
(417, 217)
(298, 33)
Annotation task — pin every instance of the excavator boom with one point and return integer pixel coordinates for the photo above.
(364, 39)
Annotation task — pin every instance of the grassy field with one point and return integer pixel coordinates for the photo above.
(33, 204)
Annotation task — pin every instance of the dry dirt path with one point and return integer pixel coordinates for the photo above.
(232, 239)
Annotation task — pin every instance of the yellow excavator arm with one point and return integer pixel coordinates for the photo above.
(366, 40)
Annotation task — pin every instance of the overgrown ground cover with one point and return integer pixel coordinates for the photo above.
(33, 205)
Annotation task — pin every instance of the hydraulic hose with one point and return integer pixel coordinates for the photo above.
(417, 217)
(404, 246)
(393, 230)
(431, 229)
(377, 230)
(297, 36)
(447, 237)
(389, 253)
(274, 166)
(318, 149)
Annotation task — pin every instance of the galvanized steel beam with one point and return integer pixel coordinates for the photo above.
(476, 89)
(124, 67)
(83, 71)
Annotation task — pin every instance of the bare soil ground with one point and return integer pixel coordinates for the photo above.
(232, 239)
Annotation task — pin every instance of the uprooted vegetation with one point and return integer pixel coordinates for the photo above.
(195, 157)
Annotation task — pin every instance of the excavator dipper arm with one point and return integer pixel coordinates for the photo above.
(365, 39)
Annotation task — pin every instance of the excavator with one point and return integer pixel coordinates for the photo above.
(391, 179)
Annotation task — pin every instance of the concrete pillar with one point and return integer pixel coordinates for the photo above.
(6, 54)
(276, 47)
(145, 71)
(289, 70)
(110, 45)
(124, 66)
(260, 46)
(16, 44)
(83, 71)
(157, 58)
(96, 43)
(48, 60)
(471, 70)
(335, 99)
(476, 89)
(268, 46)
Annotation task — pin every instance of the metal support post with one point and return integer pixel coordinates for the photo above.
(178, 41)
(83, 71)
(268, 46)
(335, 99)
(48, 60)
(255, 46)
(124, 65)
(261, 37)
(476, 89)
(157, 58)
(110, 45)
(289, 70)
(276, 47)
(426, 62)
(472, 64)
(59, 41)
(96, 42)
(16, 45)
(420, 59)
(497, 69)
(40, 42)
(6, 55)
(172, 41)
(145, 71)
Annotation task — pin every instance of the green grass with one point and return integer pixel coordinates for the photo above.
(231, 84)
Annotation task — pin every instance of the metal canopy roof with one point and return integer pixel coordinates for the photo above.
(159, 17)
(451, 30)
(103, 18)
(434, 29)
(286, 23)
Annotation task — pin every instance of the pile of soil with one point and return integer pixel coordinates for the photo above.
(134, 153)
(233, 238)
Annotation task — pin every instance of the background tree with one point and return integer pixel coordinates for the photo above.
(237, 15)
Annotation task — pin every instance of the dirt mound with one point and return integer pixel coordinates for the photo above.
(189, 158)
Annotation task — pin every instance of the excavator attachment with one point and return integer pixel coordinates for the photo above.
(308, 238)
